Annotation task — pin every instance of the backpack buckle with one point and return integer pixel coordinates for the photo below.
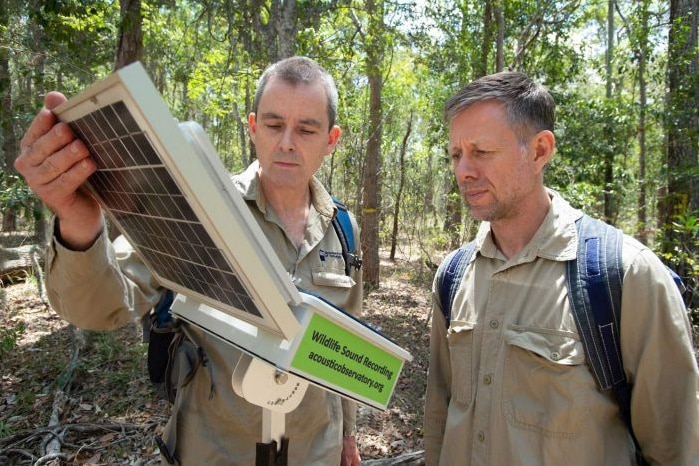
(354, 261)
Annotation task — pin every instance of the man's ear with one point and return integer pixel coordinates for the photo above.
(543, 146)
(333, 138)
(252, 126)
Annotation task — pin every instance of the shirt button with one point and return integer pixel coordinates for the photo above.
(487, 379)
(481, 436)
(494, 324)
(555, 355)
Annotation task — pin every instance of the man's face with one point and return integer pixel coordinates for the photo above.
(290, 133)
(495, 173)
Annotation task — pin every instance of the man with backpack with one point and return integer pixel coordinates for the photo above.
(522, 372)
(99, 285)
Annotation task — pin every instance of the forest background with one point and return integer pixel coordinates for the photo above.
(623, 73)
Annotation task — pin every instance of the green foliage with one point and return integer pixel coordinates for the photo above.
(683, 259)
(70, 32)
(205, 58)
(105, 344)
(14, 192)
(5, 430)
(15, 195)
(118, 360)
(578, 168)
(9, 338)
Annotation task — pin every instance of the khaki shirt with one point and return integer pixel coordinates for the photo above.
(508, 382)
(107, 286)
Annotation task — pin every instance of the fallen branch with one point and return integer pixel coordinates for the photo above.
(15, 451)
(9, 446)
(82, 428)
(50, 457)
(16, 263)
(36, 256)
(52, 442)
(416, 458)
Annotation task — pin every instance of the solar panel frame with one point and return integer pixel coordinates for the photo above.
(193, 170)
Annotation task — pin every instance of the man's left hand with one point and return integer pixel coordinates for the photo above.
(350, 452)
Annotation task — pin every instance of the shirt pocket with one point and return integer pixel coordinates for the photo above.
(546, 386)
(333, 278)
(460, 340)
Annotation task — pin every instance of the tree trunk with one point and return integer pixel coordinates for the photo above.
(287, 29)
(371, 212)
(642, 199)
(371, 206)
(681, 202)
(609, 129)
(452, 220)
(481, 69)
(500, 47)
(129, 50)
(682, 118)
(130, 45)
(401, 183)
(266, 46)
(10, 147)
(9, 140)
(277, 38)
(642, 218)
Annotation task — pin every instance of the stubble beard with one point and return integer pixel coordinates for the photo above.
(485, 213)
(497, 209)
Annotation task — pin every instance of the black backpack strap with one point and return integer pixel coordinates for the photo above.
(594, 290)
(449, 276)
(345, 233)
(161, 333)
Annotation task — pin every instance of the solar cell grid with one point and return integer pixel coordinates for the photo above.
(137, 188)
(166, 190)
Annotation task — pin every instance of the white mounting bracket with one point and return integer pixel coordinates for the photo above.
(277, 392)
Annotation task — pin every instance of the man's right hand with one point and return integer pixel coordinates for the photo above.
(56, 164)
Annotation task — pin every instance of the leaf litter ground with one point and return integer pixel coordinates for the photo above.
(111, 413)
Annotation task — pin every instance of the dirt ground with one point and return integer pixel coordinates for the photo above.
(109, 412)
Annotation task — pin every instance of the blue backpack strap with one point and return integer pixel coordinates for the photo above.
(345, 233)
(677, 279)
(449, 276)
(161, 310)
(594, 290)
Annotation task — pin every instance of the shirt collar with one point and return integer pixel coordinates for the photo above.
(248, 184)
(556, 239)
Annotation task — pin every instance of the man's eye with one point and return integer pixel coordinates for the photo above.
(308, 131)
(275, 127)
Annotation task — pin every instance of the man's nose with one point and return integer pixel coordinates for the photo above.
(287, 142)
(465, 168)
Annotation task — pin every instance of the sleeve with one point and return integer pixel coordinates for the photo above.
(438, 386)
(660, 363)
(349, 417)
(101, 288)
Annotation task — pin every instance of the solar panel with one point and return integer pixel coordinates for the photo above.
(168, 193)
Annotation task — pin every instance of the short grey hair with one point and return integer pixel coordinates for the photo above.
(529, 106)
(300, 70)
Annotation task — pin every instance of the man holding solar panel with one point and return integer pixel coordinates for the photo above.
(99, 285)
